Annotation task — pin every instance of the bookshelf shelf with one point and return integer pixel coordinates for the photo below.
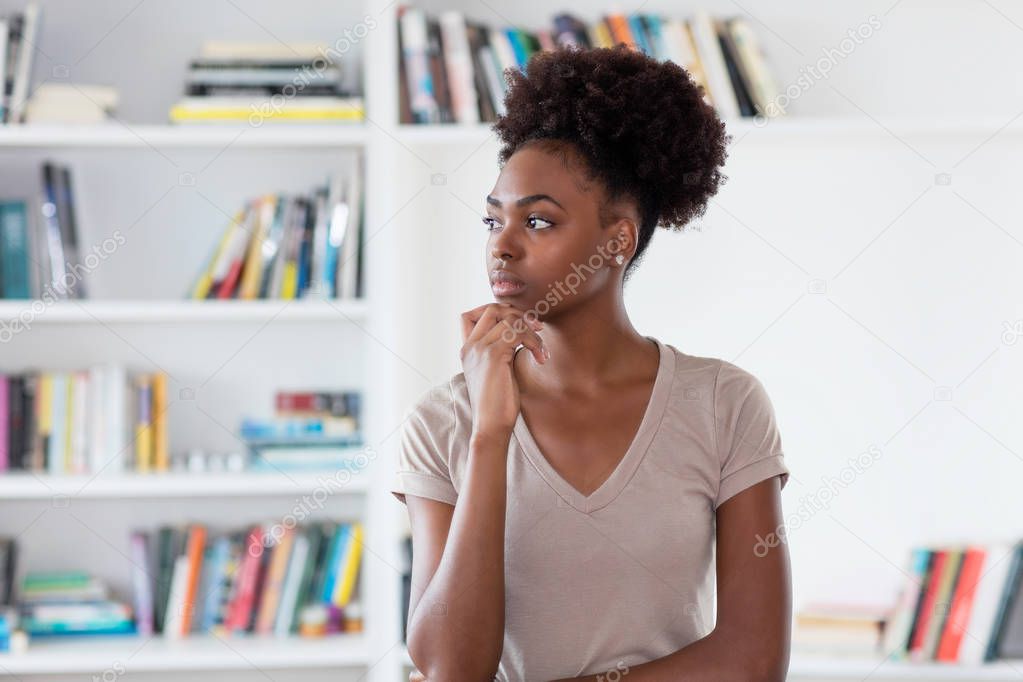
(200, 652)
(29, 486)
(148, 135)
(97, 311)
(808, 667)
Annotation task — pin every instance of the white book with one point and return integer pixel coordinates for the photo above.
(503, 51)
(292, 583)
(458, 63)
(999, 560)
(97, 407)
(26, 50)
(173, 620)
(708, 47)
(348, 265)
(492, 72)
(115, 427)
(678, 44)
(79, 421)
(753, 65)
(4, 30)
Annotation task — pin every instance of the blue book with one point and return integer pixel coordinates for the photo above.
(334, 561)
(639, 33)
(214, 582)
(14, 251)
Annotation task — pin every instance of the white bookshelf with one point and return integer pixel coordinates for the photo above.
(420, 256)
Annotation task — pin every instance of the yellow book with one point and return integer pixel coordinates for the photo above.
(161, 459)
(349, 568)
(69, 405)
(44, 404)
(180, 114)
(252, 271)
(289, 280)
(143, 427)
(600, 35)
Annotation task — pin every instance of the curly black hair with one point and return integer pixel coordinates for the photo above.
(639, 125)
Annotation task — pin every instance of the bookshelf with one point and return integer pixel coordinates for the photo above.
(390, 344)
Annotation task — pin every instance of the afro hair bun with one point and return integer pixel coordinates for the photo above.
(641, 125)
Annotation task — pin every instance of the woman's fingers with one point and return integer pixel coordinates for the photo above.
(502, 321)
(515, 329)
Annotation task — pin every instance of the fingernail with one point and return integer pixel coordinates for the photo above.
(546, 353)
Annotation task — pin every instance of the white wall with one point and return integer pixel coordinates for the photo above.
(919, 279)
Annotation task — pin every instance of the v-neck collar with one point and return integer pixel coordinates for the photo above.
(622, 473)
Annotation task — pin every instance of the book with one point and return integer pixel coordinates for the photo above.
(960, 604)
(27, 37)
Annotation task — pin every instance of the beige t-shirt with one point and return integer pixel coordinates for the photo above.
(598, 583)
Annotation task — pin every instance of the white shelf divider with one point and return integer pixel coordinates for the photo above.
(100, 311)
(117, 135)
(31, 486)
(91, 654)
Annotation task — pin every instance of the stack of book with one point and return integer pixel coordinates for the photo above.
(70, 603)
(41, 258)
(19, 35)
(961, 604)
(839, 630)
(270, 579)
(255, 83)
(291, 246)
(309, 430)
(451, 68)
(85, 421)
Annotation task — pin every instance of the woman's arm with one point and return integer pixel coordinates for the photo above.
(458, 571)
(751, 638)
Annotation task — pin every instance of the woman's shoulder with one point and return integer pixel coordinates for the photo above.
(444, 405)
(722, 373)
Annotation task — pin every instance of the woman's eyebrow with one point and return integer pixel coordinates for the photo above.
(532, 198)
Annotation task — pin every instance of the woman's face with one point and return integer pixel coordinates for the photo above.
(543, 220)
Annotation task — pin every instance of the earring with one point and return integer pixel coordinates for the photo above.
(619, 259)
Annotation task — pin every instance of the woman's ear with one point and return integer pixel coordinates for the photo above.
(625, 237)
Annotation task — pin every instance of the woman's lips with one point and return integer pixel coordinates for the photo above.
(504, 288)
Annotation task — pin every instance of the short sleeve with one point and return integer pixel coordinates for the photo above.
(749, 444)
(424, 448)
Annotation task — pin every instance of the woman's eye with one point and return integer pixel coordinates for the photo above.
(542, 220)
(489, 222)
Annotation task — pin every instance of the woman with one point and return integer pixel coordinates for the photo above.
(566, 503)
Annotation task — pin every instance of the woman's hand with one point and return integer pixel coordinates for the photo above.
(491, 333)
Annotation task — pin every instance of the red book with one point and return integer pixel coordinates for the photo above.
(227, 287)
(916, 646)
(962, 603)
(240, 611)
